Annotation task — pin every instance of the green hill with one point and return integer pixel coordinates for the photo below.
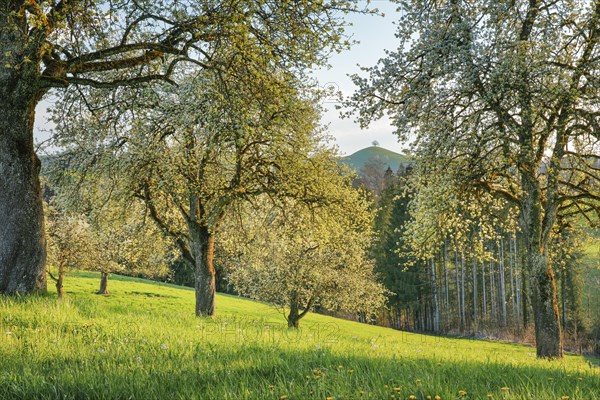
(143, 342)
(387, 157)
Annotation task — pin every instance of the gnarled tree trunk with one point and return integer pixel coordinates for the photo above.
(22, 238)
(203, 248)
(548, 335)
(103, 283)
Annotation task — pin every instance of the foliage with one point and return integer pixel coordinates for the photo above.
(499, 99)
(138, 344)
(69, 241)
(305, 255)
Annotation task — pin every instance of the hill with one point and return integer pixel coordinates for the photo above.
(387, 157)
(143, 342)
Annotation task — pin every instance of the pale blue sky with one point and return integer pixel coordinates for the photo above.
(374, 34)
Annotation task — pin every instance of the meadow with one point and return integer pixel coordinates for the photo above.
(143, 342)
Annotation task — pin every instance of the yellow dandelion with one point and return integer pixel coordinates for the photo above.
(489, 396)
(307, 377)
(317, 376)
(565, 398)
(284, 397)
(418, 381)
(271, 387)
(412, 397)
(462, 392)
(340, 367)
(397, 389)
(428, 397)
(504, 389)
(386, 387)
(437, 397)
(350, 371)
(330, 398)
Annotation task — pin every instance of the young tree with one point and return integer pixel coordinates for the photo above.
(46, 44)
(502, 96)
(69, 245)
(303, 255)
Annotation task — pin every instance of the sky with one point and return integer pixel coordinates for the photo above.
(374, 35)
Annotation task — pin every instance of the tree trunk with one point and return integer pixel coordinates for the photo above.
(103, 283)
(22, 238)
(203, 248)
(436, 308)
(475, 306)
(536, 231)
(60, 291)
(502, 283)
(293, 317)
(545, 308)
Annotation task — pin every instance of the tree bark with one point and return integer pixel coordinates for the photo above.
(436, 307)
(103, 283)
(548, 335)
(293, 317)
(60, 291)
(22, 237)
(203, 248)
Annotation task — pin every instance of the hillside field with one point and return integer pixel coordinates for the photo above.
(143, 342)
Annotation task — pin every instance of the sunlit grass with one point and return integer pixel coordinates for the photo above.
(143, 342)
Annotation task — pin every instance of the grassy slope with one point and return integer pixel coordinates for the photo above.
(389, 158)
(143, 342)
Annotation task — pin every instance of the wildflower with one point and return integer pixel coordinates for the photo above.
(271, 387)
(330, 398)
(505, 389)
(138, 359)
(386, 387)
(428, 397)
(350, 371)
(489, 396)
(397, 389)
(564, 397)
(284, 397)
(418, 381)
(163, 346)
(412, 397)
(317, 376)
(462, 392)
(437, 397)
(340, 367)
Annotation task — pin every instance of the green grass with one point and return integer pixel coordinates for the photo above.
(142, 342)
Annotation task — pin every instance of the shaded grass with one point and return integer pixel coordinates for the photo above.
(143, 342)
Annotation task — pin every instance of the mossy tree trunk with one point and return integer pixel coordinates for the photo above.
(103, 283)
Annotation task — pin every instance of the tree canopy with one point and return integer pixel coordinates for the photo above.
(500, 98)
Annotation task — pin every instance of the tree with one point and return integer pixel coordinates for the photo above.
(69, 245)
(503, 97)
(303, 255)
(48, 44)
(191, 152)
